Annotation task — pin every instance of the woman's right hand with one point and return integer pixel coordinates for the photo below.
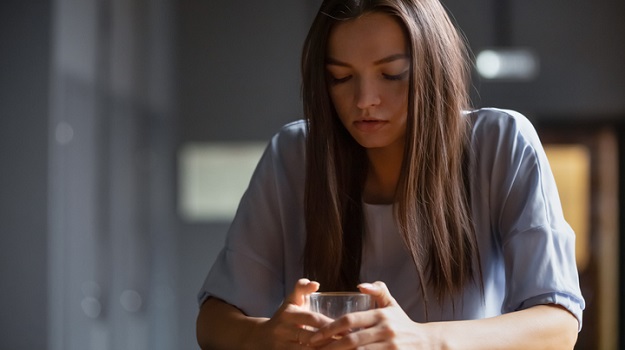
(289, 328)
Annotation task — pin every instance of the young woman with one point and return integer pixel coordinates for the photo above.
(454, 213)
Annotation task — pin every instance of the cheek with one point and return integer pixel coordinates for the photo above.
(340, 100)
(399, 99)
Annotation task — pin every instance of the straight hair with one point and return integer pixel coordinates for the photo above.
(432, 199)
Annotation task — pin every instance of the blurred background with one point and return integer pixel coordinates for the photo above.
(120, 120)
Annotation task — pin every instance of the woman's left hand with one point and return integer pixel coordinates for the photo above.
(387, 327)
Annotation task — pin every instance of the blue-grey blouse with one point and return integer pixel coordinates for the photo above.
(526, 247)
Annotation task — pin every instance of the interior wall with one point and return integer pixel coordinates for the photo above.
(579, 45)
(239, 62)
(112, 240)
(24, 54)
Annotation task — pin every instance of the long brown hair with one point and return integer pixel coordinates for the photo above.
(432, 200)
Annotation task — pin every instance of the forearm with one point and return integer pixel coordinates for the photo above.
(539, 327)
(223, 326)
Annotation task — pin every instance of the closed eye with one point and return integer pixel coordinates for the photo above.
(394, 77)
(336, 81)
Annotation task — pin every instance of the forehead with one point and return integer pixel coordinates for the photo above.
(373, 36)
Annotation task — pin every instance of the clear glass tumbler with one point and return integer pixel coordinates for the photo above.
(337, 304)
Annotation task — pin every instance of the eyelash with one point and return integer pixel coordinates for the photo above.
(336, 81)
(401, 76)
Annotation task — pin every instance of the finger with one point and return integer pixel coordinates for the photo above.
(296, 346)
(380, 292)
(350, 340)
(297, 316)
(298, 335)
(298, 326)
(302, 288)
(344, 325)
(304, 335)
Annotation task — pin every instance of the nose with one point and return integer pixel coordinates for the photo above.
(368, 94)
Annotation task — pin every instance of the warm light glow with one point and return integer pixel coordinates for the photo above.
(570, 165)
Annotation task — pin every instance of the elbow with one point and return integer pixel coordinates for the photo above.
(202, 328)
(571, 336)
(202, 342)
(569, 329)
(567, 340)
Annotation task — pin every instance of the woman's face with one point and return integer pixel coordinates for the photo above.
(368, 74)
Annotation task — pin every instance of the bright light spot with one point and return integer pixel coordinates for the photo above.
(507, 64)
(488, 64)
(64, 133)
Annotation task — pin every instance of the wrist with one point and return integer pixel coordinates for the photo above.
(436, 333)
(253, 334)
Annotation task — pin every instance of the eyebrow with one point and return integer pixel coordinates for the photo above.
(391, 58)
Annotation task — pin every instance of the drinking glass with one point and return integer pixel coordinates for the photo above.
(337, 304)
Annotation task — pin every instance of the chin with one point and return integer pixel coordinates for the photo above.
(371, 144)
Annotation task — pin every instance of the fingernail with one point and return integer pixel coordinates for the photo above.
(366, 286)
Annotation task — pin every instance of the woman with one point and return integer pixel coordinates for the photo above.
(455, 213)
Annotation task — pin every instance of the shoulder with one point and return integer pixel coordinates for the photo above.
(500, 120)
(501, 126)
(288, 144)
(291, 135)
(293, 132)
(281, 169)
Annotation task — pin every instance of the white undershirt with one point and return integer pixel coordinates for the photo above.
(385, 252)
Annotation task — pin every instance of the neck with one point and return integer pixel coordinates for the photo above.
(383, 175)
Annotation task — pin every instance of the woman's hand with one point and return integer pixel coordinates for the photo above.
(287, 329)
(387, 327)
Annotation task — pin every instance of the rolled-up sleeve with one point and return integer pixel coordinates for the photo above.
(250, 271)
(538, 245)
(540, 269)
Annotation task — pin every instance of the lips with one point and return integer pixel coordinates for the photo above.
(368, 125)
